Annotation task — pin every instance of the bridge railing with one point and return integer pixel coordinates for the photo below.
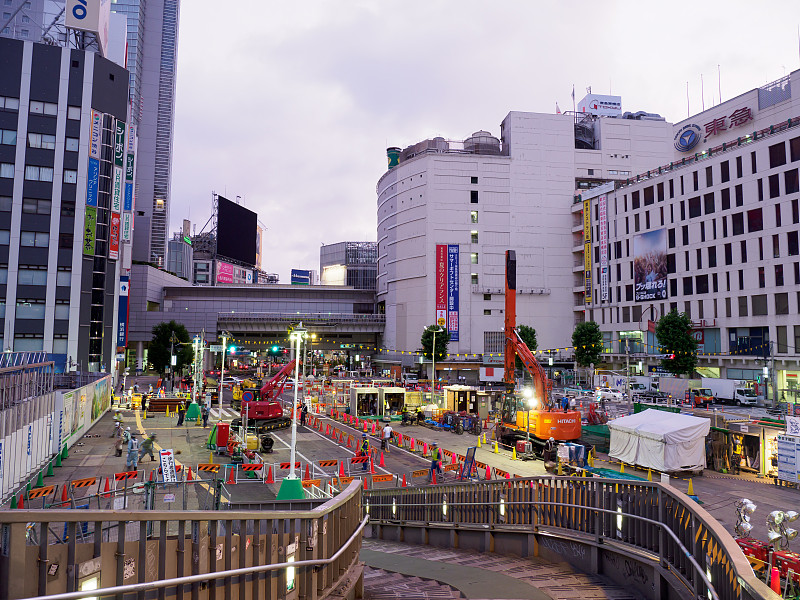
(649, 519)
(64, 554)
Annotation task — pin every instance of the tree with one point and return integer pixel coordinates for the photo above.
(588, 343)
(158, 352)
(674, 337)
(442, 339)
(528, 335)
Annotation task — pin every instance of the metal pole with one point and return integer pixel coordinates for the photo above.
(628, 374)
(298, 333)
(222, 374)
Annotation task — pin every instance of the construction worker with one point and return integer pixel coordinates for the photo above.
(204, 412)
(117, 423)
(147, 447)
(736, 455)
(181, 413)
(436, 461)
(118, 441)
(363, 449)
(303, 414)
(133, 452)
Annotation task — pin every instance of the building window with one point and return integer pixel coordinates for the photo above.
(694, 207)
(738, 223)
(67, 208)
(695, 181)
(687, 286)
(43, 108)
(34, 173)
(7, 170)
(487, 296)
(473, 180)
(709, 177)
(8, 137)
(473, 258)
(724, 170)
(5, 237)
(762, 280)
(34, 239)
(759, 305)
(30, 309)
(783, 347)
(70, 176)
(473, 278)
(36, 206)
(31, 276)
(63, 278)
(7, 103)
(728, 254)
(777, 155)
(774, 186)
(776, 246)
(71, 144)
(41, 140)
(473, 216)
(755, 221)
(792, 243)
(782, 303)
(74, 113)
(62, 309)
(742, 306)
(473, 236)
(712, 257)
(66, 240)
(743, 248)
(725, 196)
(778, 275)
(791, 182)
(473, 196)
(487, 312)
(708, 200)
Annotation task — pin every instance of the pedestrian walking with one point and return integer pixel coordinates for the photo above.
(436, 461)
(363, 449)
(386, 435)
(133, 452)
(117, 423)
(303, 414)
(181, 413)
(147, 447)
(204, 412)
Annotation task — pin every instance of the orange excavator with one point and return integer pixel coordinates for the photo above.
(531, 416)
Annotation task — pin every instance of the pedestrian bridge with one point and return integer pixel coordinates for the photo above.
(644, 536)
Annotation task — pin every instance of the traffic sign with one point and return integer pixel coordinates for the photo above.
(168, 466)
(215, 347)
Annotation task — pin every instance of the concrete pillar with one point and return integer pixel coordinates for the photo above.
(140, 355)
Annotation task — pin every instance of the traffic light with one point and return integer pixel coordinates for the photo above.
(275, 349)
(232, 350)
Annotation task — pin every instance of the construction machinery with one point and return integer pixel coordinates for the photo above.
(529, 416)
(262, 408)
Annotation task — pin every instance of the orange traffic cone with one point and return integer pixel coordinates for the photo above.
(413, 448)
(21, 503)
(307, 476)
(365, 427)
(433, 481)
(424, 448)
(488, 472)
(774, 579)
(341, 468)
(151, 474)
(269, 479)
(371, 466)
(399, 440)
(189, 475)
(108, 488)
(380, 464)
(453, 457)
(374, 427)
(231, 475)
(365, 483)
(404, 480)
(508, 475)
(348, 440)
(328, 430)
(64, 492)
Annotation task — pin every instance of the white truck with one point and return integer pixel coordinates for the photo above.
(733, 391)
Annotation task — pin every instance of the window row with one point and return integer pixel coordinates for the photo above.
(38, 206)
(35, 173)
(38, 140)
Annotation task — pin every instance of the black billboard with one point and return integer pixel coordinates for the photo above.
(236, 231)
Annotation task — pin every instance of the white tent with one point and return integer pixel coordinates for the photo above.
(660, 440)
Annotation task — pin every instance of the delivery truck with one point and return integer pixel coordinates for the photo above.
(731, 391)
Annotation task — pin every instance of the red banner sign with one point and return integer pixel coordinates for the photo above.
(441, 285)
(113, 238)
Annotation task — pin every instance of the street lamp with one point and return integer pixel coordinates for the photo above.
(225, 337)
(433, 359)
(291, 486)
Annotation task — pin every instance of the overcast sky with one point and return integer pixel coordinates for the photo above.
(292, 105)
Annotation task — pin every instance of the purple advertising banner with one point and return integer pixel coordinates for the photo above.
(122, 314)
(452, 291)
(92, 182)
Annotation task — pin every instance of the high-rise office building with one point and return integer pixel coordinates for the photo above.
(152, 62)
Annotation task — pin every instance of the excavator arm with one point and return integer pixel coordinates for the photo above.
(274, 387)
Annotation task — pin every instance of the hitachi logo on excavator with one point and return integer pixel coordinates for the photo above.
(565, 421)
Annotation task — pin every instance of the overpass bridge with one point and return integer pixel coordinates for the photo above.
(643, 536)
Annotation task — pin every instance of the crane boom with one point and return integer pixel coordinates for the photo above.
(274, 387)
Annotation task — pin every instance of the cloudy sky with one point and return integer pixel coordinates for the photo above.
(292, 105)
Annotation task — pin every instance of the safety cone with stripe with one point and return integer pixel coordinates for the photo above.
(404, 481)
(189, 475)
(107, 490)
(341, 468)
(371, 466)
(413, 445)
(690, 491)
(496, 448)
(453, 459)
(270, 478)
(380, 464)
(231, 475)
(65, 492)
(775, 581)
(307, 475)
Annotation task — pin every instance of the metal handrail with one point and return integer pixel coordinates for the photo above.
(153, 585)
(691, 558)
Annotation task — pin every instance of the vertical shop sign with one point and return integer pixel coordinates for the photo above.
(452, 291)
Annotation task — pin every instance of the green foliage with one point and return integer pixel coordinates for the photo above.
(442, 339)
(158, 352)
(588, 342)
(528, 335)
(674, 337)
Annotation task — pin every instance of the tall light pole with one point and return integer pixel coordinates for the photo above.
(225, 336)
(291, 486)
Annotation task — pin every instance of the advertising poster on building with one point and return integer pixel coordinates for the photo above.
(116, 190)
(452, 291)
(650, 265)
(119, 144)
(89, 228)
(113, 237)
(92, 181)
(602, 214)
(441, 285)
(228, 273)
(127, 227)
(300, 277)
(128, 202)
(94, 134)
(122, 314)
(587, 251)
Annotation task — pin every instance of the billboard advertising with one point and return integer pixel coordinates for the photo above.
(89, 15)
(113, 237)
(587, 251)
(127, 227)
(116, 190)
(452, 291)
(236, 231)
(92, 181)
(89, 227)
(301, 277)
(441, 285)
(228, 273)
(602, 214)
(94, 135)
(601, 105)
(122, 314)
(650, 265)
